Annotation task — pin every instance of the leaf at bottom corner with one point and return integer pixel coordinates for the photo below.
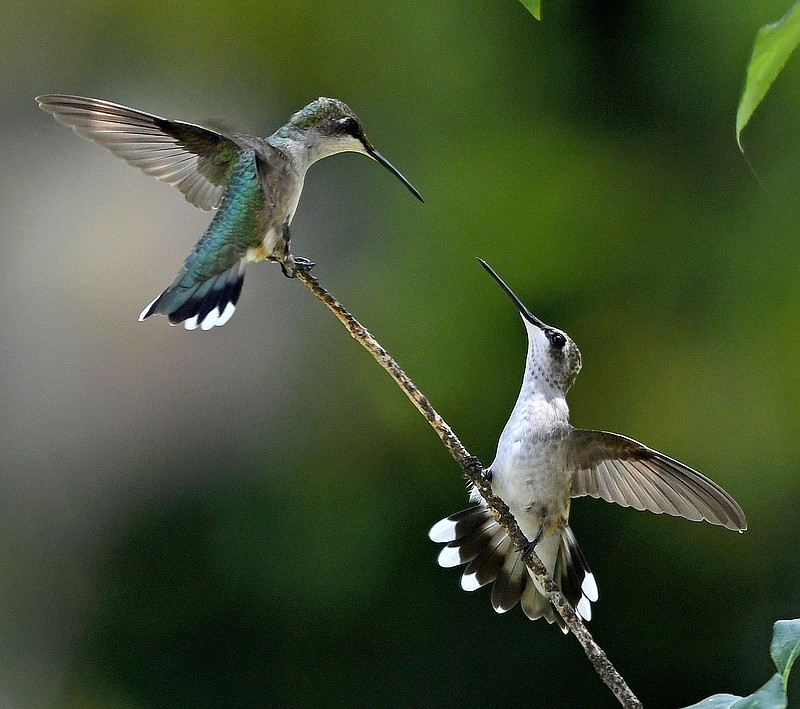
(785, 646)
(771, 696)
(718, 701)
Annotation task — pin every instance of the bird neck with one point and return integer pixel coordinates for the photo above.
(540, 404)
(294, 145)
(303, 146)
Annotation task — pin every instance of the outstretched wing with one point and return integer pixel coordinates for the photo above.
(619, 469)
(194, 159)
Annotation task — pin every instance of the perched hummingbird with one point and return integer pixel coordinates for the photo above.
(541, 463)
(253, 183)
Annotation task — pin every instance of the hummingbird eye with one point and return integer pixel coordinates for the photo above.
(557, 340)
(350, 126)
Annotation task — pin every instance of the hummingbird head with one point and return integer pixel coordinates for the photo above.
(328, 127)
(552, 355)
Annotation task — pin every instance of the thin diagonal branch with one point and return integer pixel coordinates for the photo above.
(473, 469)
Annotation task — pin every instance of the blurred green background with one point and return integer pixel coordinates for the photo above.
(239, 518)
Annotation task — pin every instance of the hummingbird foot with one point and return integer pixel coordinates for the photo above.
(303, 264)
(295, 264)
(527, 550)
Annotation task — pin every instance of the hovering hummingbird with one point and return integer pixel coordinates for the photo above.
(253, 183)
(541, 463)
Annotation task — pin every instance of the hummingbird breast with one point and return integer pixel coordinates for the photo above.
(530, 472)
(534, 481)
(281, 184)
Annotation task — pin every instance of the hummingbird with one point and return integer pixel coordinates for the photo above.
(254, 184)
(541, 463)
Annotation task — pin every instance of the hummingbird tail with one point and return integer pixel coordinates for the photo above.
(474, 537)
(204, 304)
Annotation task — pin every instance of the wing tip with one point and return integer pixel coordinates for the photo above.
(49, 98)
(738, 523)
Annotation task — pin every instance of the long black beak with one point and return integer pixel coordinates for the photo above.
(375, 155)
(527, 314)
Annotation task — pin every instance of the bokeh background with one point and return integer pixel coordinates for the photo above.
(238, 518)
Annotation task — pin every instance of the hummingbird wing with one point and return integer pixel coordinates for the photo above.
(205, 291)
(194, 159)
(619, 469)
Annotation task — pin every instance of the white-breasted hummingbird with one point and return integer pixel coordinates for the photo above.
(253, 183)
(541, 463)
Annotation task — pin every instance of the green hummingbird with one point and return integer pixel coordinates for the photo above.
(253, 183)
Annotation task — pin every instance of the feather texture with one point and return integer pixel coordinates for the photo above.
(475, 538)
(622, 470)
(194, 159)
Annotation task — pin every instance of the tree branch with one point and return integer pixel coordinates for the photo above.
(473, 469)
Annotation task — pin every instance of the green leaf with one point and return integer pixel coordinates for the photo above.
(784, 649)
(534, 7)
(773, 46)
(771, 696)
(718, 701)
(785, 646)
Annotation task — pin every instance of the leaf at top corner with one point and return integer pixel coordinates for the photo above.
(785, 646)
(773, 46)
(534, 7)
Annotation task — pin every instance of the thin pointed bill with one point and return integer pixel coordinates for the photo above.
(375, 155)
(523, 309)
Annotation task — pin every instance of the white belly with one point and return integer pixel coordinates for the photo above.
(282, 196)
(533, 480)
(272, 238)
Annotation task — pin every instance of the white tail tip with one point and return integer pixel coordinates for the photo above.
(589, 588)
(449, 557)
(443, 531)
(146, 311)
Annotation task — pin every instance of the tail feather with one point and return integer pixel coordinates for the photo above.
(475, 541)
(535, 605)
(204, 304)
(509, 584)
(458, 525)
(190, 307)
(484, 568)
(573, 574)
(474, 538)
